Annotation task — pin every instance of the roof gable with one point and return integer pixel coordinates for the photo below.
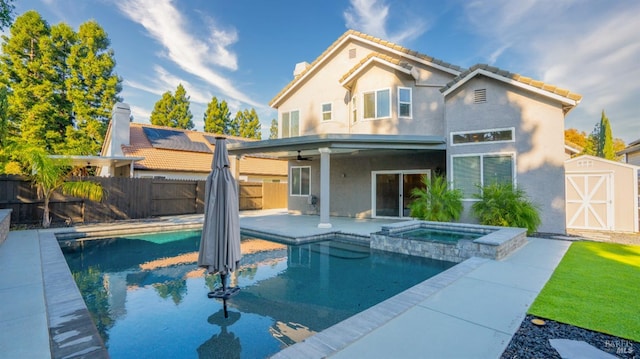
(376, 58)
(352, 35)
(567, 97)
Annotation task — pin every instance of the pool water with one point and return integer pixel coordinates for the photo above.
(429, 234)
(148, 299)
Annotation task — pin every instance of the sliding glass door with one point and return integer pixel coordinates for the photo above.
(392, 191)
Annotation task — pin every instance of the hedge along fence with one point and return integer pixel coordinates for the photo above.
(125, 198)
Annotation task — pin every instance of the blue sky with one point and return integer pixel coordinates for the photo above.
(244, 52)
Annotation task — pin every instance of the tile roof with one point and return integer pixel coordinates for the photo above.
(163, 159)
(376, 55)
(356, 34)
(513, 76)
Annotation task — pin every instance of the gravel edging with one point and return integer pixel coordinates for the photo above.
(532, 341)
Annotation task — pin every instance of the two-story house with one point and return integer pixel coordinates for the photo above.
(363, 122)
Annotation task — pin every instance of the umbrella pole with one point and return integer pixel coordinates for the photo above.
(223, 279)
(224, 305)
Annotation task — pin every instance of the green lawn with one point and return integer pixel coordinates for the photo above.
(596, 286)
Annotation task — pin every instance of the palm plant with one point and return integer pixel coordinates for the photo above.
(507, 206)
(436, 201)
(50, 175)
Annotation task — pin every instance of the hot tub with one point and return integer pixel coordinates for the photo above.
(452, 242)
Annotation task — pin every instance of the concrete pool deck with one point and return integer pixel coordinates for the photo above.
(481, 300)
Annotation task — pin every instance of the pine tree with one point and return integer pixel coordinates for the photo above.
(605, 140)
(6, 13)
(27, 68)
(217, 118)
(173, 110)
(251, 127)
(52, 76)
(600, 142)
(92, 87)
(273, 130)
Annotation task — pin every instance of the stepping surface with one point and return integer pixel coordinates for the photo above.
(568, 349)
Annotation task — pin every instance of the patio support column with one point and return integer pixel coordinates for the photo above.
(324, 187)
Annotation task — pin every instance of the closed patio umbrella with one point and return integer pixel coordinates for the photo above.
(220, 242)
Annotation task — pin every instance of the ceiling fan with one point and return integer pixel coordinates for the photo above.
(300, 158)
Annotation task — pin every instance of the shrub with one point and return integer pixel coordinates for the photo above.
(507, 206)
(436, 202)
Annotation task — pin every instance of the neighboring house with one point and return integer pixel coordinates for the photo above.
(631, 154)
(164, 152)
(367, 119)
(571, 150)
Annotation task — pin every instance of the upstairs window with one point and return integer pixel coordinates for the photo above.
(291, 124)
(352, 53)
(404, 102)
(492, 135)
(377, 104)
(327, 113)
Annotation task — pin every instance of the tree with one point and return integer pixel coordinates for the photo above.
(56, 80)
(248, 124)
(93, 89)
(217, 118)
(6, 13)
(273, 130)
(578, 138)
(173, 110)
(600, 142)
(50, 175)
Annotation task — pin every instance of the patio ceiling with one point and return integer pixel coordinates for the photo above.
(287, 148)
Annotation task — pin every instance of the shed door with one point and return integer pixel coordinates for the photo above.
(589, 198)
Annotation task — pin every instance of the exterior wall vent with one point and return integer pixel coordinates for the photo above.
(352, 53)
(480, 96)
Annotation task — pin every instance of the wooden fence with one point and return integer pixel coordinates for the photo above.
(129, 198)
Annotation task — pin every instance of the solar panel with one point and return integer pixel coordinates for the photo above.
(212, 140)
(173, 140)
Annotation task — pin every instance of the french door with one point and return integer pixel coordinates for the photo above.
(391, 191)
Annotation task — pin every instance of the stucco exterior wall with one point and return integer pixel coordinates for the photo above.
(538, 147)
(324, 87)
(351, 180)
(633, 158)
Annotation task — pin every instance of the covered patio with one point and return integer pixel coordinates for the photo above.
(341, 171)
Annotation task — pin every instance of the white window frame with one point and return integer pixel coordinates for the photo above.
(291, 181)
(374, 203)
(354, 109)
(410, 103)
(330, 112)
(375, 104)
(512, 129)
(481, 156)
(290, 134)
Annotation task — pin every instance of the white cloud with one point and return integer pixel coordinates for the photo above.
(371, 17)
(166, 25)
(588, 47)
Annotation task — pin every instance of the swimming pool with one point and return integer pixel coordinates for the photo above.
(149, 299)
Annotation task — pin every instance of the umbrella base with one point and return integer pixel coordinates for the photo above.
(221, 293)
